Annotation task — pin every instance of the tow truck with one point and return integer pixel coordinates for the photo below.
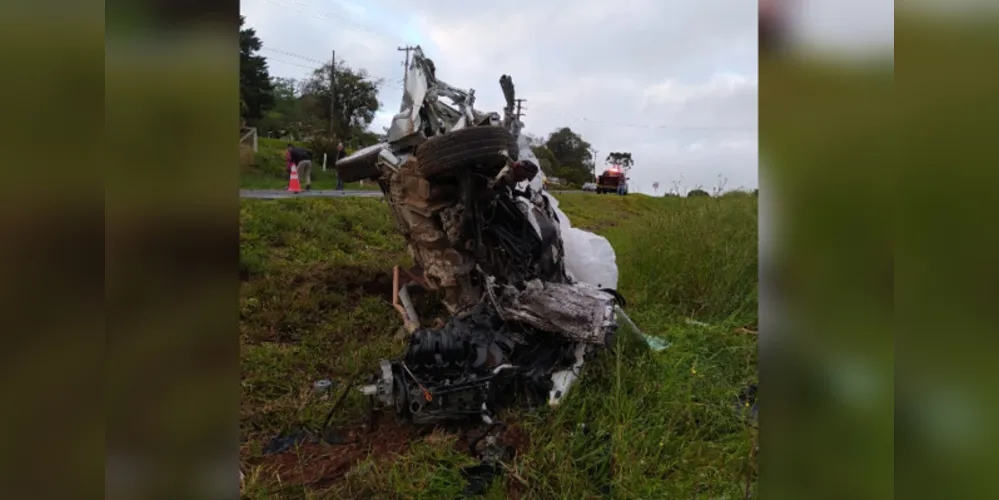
(612, 181)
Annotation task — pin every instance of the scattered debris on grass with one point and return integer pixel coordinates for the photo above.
(746, 402)
(694, 322)
(468, 197)
(319, 464)
(526, 299)
(530, 298)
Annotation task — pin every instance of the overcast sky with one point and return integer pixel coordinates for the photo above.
(673, 82)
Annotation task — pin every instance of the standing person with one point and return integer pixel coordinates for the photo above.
(302, 159)
(340, 154)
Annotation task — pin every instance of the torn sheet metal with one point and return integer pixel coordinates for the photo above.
(578, 311)
(487, 237)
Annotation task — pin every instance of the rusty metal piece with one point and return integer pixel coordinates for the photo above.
(395, 293)
(415, 275)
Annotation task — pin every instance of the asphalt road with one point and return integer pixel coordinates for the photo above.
(278, 194)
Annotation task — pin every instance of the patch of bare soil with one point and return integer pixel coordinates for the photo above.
(516, 438)
(357, 281)
(320, 465)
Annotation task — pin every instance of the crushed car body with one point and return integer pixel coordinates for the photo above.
(530, 298)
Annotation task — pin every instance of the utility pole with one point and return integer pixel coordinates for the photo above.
(519, 103)
(594, 153)
(405, 67)
(332, 93)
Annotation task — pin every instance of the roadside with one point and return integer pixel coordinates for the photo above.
(350, 190)
(320, 181)
(280, 194)
(266, 170)
(314, 304)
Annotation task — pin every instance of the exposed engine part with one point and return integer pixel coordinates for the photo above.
(484, 236)
(485, 358)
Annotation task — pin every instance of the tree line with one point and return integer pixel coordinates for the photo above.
(301, 110)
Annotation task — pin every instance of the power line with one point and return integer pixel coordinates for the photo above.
(292, 54)
(398, 85)
(294, 4)
(589, 120)
(582, 118)
(306, 9)
(385, 81)
(274, 59)
(660, 126)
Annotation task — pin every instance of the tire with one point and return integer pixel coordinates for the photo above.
(466, 148)
(362, 168)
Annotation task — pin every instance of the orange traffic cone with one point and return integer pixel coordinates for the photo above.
(293, 184)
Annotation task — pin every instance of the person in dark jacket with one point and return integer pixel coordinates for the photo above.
(341, 153)
(302, 159)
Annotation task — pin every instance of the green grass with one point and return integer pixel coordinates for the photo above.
(266, 169)
(315, 304)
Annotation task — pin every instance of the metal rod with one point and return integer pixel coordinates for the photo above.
(408, 305)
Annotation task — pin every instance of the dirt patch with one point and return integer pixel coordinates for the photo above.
(516, 438)
(515, 487)
(597, 227)
(320, 465)
(355, 281)
(512, 435)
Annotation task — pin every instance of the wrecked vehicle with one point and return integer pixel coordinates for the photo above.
(529, 296)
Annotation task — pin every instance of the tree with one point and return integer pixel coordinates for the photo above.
(572, 156)
(356, 99)
(622, 160)
(694, 193)
(255, 90)
(546, 159)
(533, 140)
(290, 117)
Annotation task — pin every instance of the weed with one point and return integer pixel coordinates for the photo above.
(315, 303)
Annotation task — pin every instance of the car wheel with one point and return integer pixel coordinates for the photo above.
(484, 147)
(364, 167)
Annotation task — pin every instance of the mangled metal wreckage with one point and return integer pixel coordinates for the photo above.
(469, 201)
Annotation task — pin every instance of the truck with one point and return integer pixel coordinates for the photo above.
(612, 180)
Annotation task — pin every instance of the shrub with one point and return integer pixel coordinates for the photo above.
(697, 192)
(322, 144)
(246, 157)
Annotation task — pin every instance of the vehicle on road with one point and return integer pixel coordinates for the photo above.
(590, 187)
(612, 180)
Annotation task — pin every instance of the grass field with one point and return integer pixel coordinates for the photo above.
(315, 303)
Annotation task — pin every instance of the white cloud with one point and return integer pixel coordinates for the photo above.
(672, 82)
(719, 86)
